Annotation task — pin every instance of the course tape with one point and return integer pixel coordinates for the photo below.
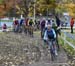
(70, 36)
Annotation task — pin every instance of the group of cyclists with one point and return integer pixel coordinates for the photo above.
(25, 25)
(50, 28)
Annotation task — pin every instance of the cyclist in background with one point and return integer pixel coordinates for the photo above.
(16, 25)
(26, 23)
(31, 27)
(42, 24)
(21, 25)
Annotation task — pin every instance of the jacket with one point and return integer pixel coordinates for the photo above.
(45, 34)
(72, 22)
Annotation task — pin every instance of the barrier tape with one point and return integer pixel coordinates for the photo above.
(70, 44)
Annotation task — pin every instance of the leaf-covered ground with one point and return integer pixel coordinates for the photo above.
(21, 50)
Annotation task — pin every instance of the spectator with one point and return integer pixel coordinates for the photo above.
(4, 27)
(72, 24)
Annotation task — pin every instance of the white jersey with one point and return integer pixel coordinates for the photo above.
(52, 22)
(47, 23)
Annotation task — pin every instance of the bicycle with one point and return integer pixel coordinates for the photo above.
(31, 29)
(53, 50)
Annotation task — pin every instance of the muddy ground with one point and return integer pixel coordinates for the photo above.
(22, 50)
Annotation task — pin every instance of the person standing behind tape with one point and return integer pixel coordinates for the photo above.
(4, 27)
(72, 24)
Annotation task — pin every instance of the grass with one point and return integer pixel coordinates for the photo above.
(68, 48)
(1, 1)
(71, 40)
(6, 20)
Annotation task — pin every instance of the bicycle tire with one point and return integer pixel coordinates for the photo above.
(53, 56)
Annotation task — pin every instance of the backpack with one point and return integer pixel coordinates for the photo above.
(50, 34)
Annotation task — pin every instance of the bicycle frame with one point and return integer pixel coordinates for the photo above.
(52, 49)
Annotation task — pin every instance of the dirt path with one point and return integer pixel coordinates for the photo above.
(45, 59)
(22, 50)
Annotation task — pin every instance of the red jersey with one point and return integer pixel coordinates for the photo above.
(72, 22)
(26, 22)
(16, 22)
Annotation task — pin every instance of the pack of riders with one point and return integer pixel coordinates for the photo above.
(25, 25)
(50, 29)
(28, 26)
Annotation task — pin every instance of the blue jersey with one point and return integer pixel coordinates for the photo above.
(21, 22)
(49, 34)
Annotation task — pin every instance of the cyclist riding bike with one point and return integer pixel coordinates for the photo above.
(21, 24)
(49, 37)
(42, 24)
(58, 30)
(31, 27)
